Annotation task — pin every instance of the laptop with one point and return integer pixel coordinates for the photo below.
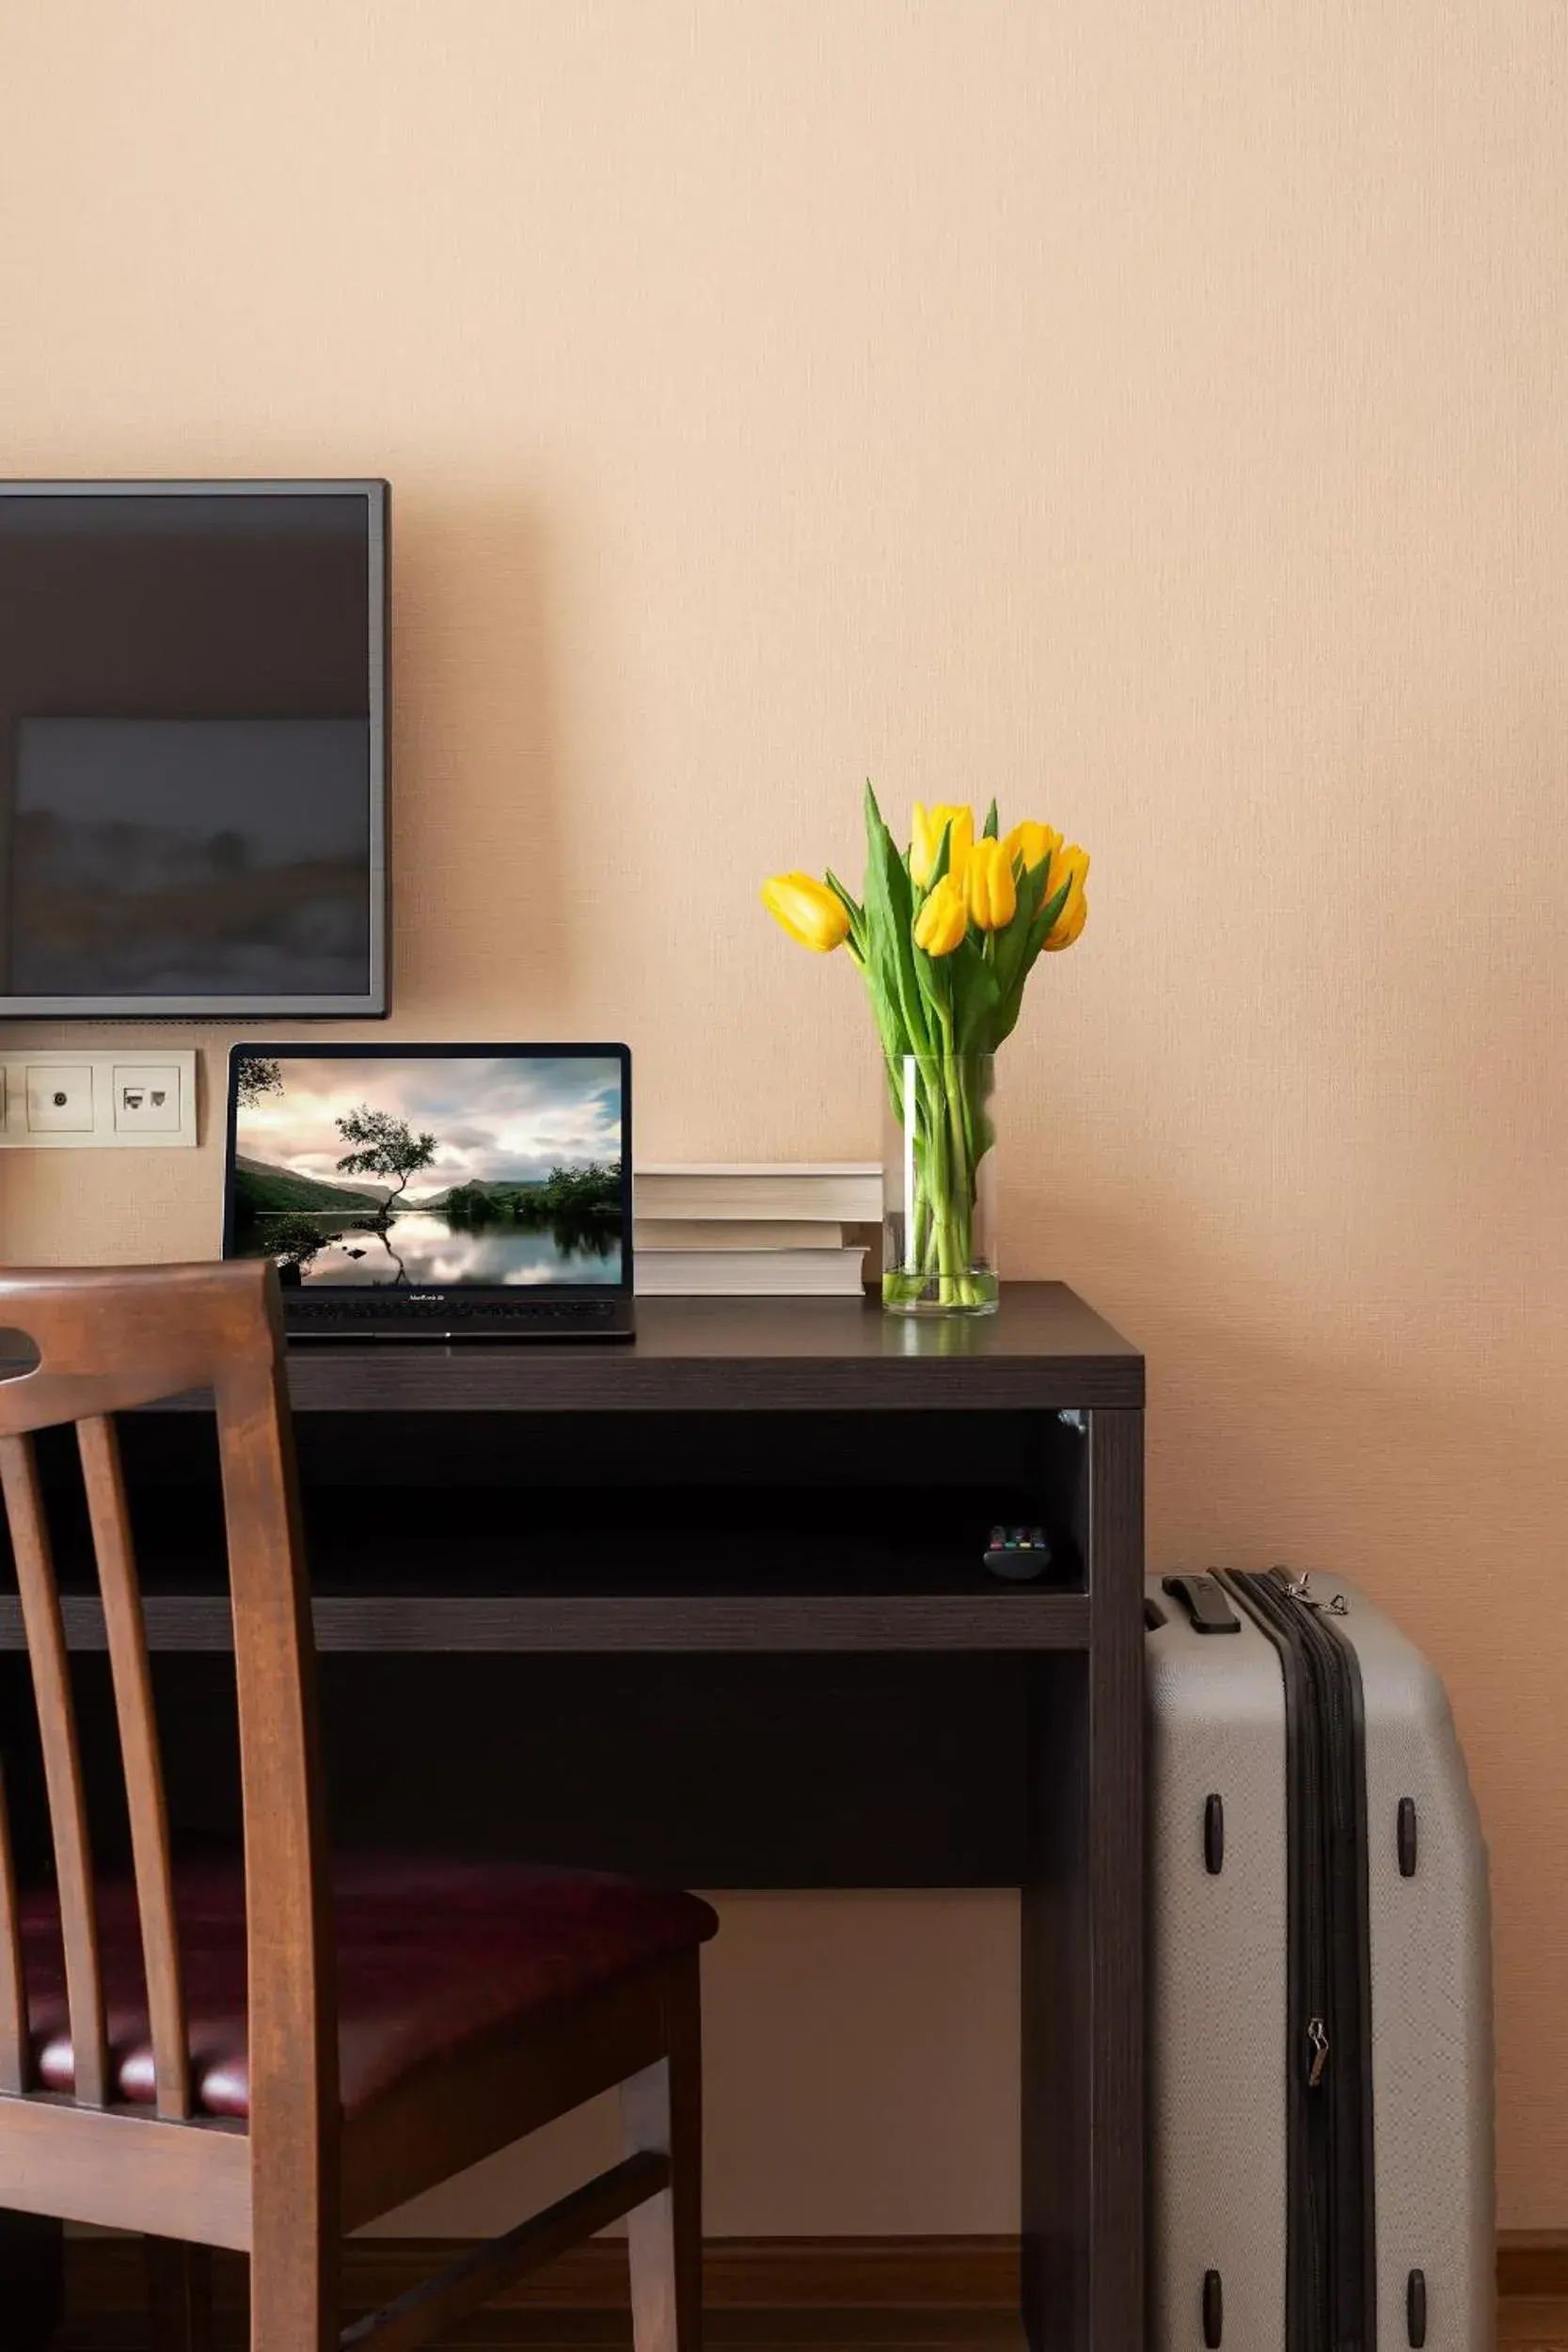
(435, 1192)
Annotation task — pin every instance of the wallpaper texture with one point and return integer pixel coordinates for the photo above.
(1150, 411)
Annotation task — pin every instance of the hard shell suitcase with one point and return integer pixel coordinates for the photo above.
(1321, 2072)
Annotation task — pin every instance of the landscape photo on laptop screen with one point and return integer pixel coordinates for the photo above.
(427, 1169)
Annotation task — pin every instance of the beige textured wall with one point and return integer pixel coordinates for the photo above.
(1151, 410)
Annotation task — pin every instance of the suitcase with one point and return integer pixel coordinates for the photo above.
(1321, 2072)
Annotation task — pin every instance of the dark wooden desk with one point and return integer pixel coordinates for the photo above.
(760, 1524)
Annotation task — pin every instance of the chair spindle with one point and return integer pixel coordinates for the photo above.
(15, 2072)
(62, 1765)
(126, 1630)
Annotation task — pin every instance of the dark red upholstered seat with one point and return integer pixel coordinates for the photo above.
(433, 1956)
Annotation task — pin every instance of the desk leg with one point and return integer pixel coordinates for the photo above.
(1083, 1994)
(32, 2280)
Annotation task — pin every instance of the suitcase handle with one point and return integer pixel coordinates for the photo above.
(1203, 1599)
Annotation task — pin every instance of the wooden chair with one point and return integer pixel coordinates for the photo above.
(265, 2057)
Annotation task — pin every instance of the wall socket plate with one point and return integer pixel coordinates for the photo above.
(136, 1098)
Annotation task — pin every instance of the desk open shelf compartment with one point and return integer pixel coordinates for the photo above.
(758, 1530)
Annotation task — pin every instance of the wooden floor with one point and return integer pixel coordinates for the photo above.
(1523, 2326)
(725, 2332)
(1526, 2325)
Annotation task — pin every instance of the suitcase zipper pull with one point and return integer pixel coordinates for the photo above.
(1299, 1588)
(1317, 2042)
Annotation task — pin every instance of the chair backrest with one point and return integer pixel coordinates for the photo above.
(107, 1342)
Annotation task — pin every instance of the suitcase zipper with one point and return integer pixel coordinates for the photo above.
(1317, 2043)
(1331, 1665)
(1330, 2301)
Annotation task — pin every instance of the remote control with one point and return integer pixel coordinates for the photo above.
(1018, 1554)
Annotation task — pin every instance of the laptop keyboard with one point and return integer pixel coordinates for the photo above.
(396, 1307)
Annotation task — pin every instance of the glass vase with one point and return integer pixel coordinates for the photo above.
(939, 1177)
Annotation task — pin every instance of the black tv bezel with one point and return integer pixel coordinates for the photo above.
(376, 1001)
(386, 1049)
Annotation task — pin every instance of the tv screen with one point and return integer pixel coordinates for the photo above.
(193, 748)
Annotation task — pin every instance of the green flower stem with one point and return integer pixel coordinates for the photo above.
(922, 1231)
(955, 1253)
(939, 1105)
(961, 1204)
(940, 1109)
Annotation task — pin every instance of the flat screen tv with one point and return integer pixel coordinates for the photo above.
(193, 748)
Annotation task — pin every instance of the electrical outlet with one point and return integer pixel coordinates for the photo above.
(147, 1099)
(73, 1102)
(60, 1098)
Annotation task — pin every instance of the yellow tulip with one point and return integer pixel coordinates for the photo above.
(992, 892)
(1032, 843)
(1071, 865)
(943, 919)
(1067, 924)
(813, 914)
(925, 840)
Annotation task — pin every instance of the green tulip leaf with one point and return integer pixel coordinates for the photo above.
(1012, 943)
(851, 908)
(855, 912)
(1048, 917)
(935, 986)
(988, 831)
(977, 998)
(1039, 931)
(889, 928)
(942, 860)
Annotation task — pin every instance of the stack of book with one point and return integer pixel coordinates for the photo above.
(758, 1233)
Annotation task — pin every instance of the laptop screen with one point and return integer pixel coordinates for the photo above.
(369, 1168)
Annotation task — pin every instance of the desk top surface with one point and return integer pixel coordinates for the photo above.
(1044, 1348)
